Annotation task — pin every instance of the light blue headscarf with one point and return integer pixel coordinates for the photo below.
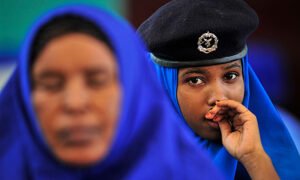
(274, 135)
(147, 145)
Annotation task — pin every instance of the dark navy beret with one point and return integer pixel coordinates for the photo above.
(199, 32)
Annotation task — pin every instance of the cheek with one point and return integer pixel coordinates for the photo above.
(43, 103)
(39, 101)
(238, 92)
(189, 103)
(108, 104)
(45, 106)
(241, 97)
(183, 99)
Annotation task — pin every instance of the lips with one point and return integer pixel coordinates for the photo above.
(78, 135)
(212, 124)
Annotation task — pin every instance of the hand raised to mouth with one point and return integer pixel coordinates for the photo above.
(239, 128)
(240, 136)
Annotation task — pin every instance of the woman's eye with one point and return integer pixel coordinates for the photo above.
(195, 81)
(49, 82)
(231, 76)
(96, 82)
(49, 86)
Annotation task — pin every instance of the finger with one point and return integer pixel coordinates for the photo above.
(238, 121)
(225, 128)
(214, 111)
(223, 112)
(241, 119)
(231, 113)
(233, 105)
(220, 117)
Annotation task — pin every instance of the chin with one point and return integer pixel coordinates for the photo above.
(215, 139)
(81, 157)
(211, 136)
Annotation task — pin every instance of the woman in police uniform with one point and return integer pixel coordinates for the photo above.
(200, 54)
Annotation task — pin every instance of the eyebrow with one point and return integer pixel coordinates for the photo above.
(201, 71)
(233, 65)
(194, 70)
(96, 71)
(49, 74)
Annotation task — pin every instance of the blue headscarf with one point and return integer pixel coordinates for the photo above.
(274, 135)
(147, 145)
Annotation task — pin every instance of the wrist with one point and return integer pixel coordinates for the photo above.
(259, 165)
(252, 160)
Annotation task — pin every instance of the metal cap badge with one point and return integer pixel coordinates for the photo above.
(207, 42)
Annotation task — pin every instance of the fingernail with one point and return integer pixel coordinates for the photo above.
(208, 115)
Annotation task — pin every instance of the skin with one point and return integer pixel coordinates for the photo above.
(201, 87)
(76, 95)
(210, 99)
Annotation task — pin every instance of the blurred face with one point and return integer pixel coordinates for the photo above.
(200, 87)
(76, 95)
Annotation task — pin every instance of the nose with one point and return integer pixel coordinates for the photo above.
(75, 97)
(217, 91)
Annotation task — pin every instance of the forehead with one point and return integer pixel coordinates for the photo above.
(75, 50)
(225, 66)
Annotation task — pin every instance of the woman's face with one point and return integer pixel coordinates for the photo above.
(200, 87)
(76, 95)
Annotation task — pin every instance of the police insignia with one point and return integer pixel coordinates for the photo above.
(207, 42)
